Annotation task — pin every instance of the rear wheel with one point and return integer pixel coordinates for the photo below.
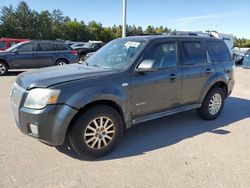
(212, 104)
(3, 68)
(96, 132)
(61, 62)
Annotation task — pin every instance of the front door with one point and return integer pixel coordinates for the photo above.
(159, 90)
(24, 57)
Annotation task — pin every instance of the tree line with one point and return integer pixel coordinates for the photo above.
(241, 42)
(22, 22)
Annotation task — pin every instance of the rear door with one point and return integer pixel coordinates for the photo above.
(45, 54)
(197, 70)
(24, 57)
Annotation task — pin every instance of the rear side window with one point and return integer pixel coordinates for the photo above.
(61, 47)
(45, 47)
(193, 53)
(219, 51)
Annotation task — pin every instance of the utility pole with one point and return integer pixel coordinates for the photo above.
(124, 18)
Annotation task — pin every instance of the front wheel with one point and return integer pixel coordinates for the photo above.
(96, 132)
(3, 69)
(212, 104)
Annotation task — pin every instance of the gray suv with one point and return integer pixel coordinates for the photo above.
(128, 81)
(36, 54)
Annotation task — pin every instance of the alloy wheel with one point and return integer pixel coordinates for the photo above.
(2, 69)
(99, 133)
(215, 104)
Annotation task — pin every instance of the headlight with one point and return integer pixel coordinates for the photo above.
(40, 98)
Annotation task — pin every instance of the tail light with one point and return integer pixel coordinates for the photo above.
(74, 52)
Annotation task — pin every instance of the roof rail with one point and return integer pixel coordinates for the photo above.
(192, 33)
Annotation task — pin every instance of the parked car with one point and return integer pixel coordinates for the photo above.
(128, 81)
(246, 62)
(91, 46)
(77, 45)
(238, 58)
(36, 54)
(6, 43)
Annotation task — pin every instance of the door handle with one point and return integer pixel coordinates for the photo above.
(209, 71)
(173, 77)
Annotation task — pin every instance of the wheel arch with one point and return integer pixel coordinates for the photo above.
(110, 103)
(5, 62)
(219, 83)
(61, 58)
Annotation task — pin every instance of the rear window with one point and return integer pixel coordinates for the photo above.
(45, 47)
(219, 51)
(193, 53)
(61, 47)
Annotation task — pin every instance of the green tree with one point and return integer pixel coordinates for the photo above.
(150, 30)
(73, 30)
(8, 22)
(26, 21)
(95, 30)
(57, 19)
(45, 25)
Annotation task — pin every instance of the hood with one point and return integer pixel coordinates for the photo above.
(46, 77)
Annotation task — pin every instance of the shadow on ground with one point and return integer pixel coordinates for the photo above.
(14, 73)
(160, 133)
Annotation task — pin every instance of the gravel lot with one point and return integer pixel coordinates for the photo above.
(176, 151)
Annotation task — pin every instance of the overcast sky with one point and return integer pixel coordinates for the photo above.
(228, 16)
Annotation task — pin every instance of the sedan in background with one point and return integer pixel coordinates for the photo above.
(36, 54)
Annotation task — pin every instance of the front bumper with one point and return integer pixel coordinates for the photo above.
(52, 122)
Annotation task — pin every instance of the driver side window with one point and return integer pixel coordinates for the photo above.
(26, 48)
(164, 55)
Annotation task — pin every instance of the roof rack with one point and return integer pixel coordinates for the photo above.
(192, 33)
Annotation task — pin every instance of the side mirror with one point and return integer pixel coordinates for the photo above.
(146, 65)
(15, 51)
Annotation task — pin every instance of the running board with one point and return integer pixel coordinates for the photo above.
(166, 113)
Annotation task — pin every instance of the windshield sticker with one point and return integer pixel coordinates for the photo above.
(132, 44)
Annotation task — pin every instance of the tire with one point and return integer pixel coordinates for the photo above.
(61, 62)
(3, 68)
(212, 104)
(89, 142)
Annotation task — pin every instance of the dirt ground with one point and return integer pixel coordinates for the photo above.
(176, 151)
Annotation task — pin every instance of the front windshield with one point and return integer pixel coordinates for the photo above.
(117, 54)
(13, 47)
